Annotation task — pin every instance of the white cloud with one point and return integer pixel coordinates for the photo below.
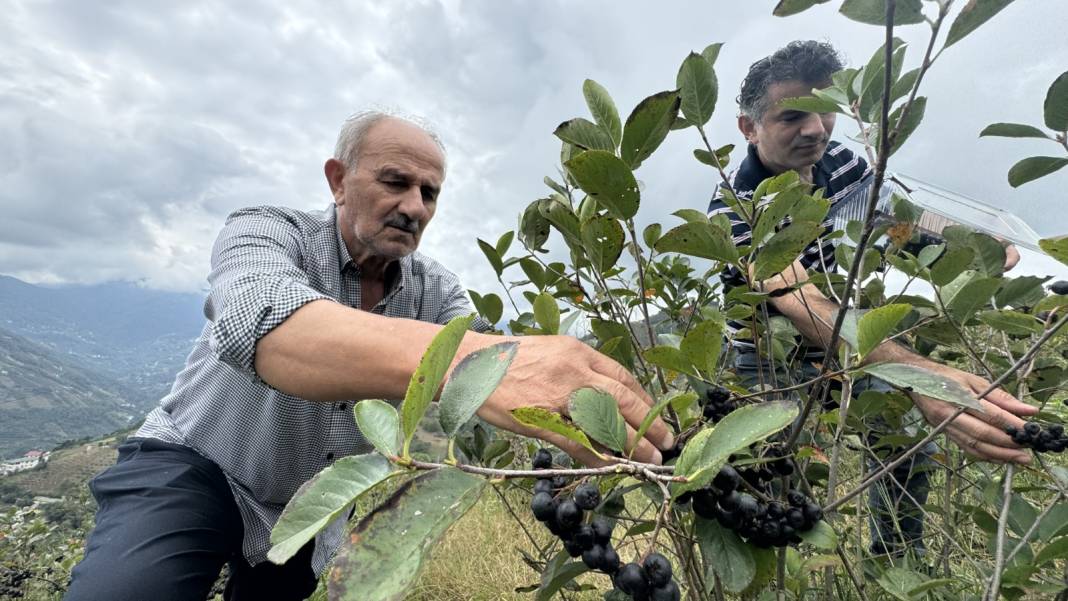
(129, 129)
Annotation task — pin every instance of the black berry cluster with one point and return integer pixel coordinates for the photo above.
(717, 404)
(1039, 438)
(11, 579)
(765, 524)
(1059, 287)
(650, 580)
(564, 517)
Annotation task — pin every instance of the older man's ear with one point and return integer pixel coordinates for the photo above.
(335, 177)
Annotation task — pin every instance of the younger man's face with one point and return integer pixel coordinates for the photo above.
(785, 138)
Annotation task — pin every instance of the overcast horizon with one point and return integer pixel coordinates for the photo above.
(131, 129)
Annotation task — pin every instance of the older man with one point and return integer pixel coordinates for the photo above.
(308, 311)
(783, 139)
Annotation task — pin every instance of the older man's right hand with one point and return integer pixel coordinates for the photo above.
(548, 369)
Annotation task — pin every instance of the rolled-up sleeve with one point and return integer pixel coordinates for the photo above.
(257, 281)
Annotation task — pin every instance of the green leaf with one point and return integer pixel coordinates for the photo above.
(559, 573)
(379, 423)
(912, 120)
(898, 582)
(811, 104)
(1033, 168)
(608, 180)
(489, 306)
(1055, 550)
(504, 243)
(974, 14)
(1020, 292)
(473, 380)
(873, 12)
(597, 414)
(711, 52)
(560, 215)
(702, 346)
(533, 271)
(787, 191)
(668, 357)
(698, 89)
(603, 239)
(784, 248)
(725, 555)
(648, 125)
(1056, 248)
(536, 417)
(385, 552)
(322, 499)
(1011, 322)
(1013, 130)
(546, 313)
(877, 324)
(705, 454)
(903, 86)
(930, 254)
(585, 134)
(989, 254)
(722, 154)
(951, 265)
(821, 536)
(972, 296)
(1055, 108)
(691, 215)
(673, 400)
(703, 240)
(603, 110)
(924, 382)
(427, 377)
(785, 8)
(533, 227)
(491, 254)
(651, 234)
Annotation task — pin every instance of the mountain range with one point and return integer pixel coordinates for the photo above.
(84, 360)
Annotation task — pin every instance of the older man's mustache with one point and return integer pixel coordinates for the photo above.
(403, 222)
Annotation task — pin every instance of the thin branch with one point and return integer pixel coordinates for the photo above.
(869, 225)
(991, 593)
(648, 471)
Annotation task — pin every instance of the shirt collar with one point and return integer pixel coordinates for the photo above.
(752, 171)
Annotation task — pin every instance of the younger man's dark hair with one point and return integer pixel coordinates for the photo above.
(807, 61)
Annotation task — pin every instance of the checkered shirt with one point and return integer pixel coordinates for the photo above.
(266, 264)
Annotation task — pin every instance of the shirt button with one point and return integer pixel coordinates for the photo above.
(329, 456)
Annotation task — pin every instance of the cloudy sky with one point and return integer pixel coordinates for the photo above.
(129, 129)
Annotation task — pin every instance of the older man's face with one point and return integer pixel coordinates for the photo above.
(386, 202)
(788, 139)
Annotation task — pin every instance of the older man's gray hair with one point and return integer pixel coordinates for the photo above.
(350, 139)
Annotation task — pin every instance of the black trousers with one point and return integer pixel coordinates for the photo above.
(167, 523)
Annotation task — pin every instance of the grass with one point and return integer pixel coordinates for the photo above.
(480, 557)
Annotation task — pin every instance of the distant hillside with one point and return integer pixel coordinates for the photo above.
(135, 336)
(47, 398)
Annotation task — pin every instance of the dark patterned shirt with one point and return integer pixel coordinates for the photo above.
(839, 173)
(267, 263)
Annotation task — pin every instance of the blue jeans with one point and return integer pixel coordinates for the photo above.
(896, 502)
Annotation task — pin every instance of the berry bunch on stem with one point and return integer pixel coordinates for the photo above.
(1040, 438)
(765, 523)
